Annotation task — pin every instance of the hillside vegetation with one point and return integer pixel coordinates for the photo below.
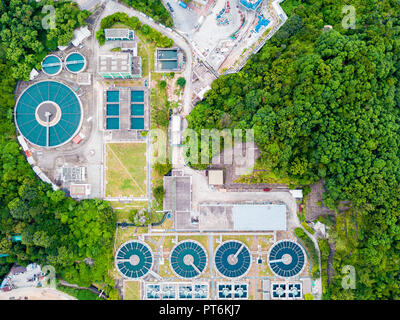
(152, 8)
(325, 105)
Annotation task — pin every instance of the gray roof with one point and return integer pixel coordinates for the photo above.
(119, 62)
(136, 65)
(117, 33)
(242, 217)
(116, 62)
(178, 194)
(259, 217)
(183, 221)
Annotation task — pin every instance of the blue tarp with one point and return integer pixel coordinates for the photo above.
(261, 22)
(250, 5)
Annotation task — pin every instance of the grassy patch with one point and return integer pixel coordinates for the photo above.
(247, 240)
(145, 59)
(132, 290)
(124, 235)
(165, 270)
(168, 244)
(203, 240)
(264, 242)
(264, 270)
(122, 210)
(324, 248)
(126, 169)
(166, 225)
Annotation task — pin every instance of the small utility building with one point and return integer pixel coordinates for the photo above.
(120, 65)
(176, 130)
(119, 34)
(216, 177)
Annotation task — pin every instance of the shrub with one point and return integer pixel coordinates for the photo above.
(312, 251)
(181, 82)
(308, 296)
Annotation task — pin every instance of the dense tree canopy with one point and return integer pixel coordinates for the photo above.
(152, 8)
(324, 104)
(23, 40)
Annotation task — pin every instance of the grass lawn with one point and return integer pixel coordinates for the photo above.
(132, 290)
(247, 240)
(159, 105)
(264, 270)
(203, 240)
(125, 235)
(145, 59)
(153, 242)
(168, 244)
(126, 170)
(168, 224)
(165, 270)
(264, 242)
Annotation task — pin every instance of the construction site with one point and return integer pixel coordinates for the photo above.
(223, 33)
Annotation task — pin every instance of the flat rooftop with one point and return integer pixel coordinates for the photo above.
(242, 217)
(119, 62)
(119, 33)
(178, 194)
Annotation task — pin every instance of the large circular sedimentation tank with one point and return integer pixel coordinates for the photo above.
(232, 259)
(48, 114)
(75, 62)
(188, 259)
(134, 259)
(286, 258)
(52, 65)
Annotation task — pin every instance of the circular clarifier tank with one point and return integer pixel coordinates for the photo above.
(286, 258)
(232, 259)
(75, 62)
(188, 259)
(48, 114)
(52, 65)
(134, 259)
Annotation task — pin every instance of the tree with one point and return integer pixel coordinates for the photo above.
(181, 82)
(324, 105)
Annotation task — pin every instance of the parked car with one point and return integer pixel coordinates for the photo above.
(267, 189)
(169, 7)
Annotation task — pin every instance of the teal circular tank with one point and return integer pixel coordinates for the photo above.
(48, 114)
(52, 65)
(75, 62)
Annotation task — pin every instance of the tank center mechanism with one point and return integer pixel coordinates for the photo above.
(134, 260)
(48, 113)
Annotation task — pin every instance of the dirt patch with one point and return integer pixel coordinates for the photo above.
(314, 204)
(35, 294)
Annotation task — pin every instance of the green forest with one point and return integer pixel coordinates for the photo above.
(324, 104)
(152, 8)
(76, 238)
